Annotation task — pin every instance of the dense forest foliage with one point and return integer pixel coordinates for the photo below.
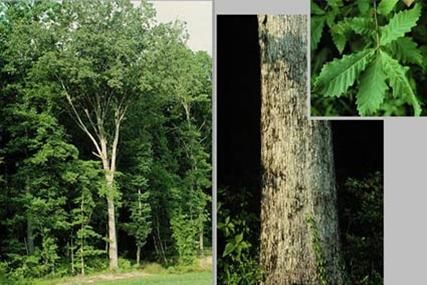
(368, 57)
(105, 130)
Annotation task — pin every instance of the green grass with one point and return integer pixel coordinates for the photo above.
(198, 273)
(195, 278)
(191, 278)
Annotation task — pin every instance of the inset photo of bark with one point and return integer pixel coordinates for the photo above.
(368, 58)
(299, 201)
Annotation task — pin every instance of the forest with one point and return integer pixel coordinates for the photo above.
(299, 201)
(368, 58)
(105, 142)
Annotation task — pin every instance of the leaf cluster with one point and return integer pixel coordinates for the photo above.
(367, 58)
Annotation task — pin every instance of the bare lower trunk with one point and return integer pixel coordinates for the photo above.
(82, 261)
(112, 248)
(138, 255)
(299, 228)
(201, 240)
(112, 236)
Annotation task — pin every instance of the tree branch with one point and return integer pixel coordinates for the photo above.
(79, 119)
(119, 116)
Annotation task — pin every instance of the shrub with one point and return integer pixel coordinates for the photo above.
(238, 263)
(125, 264)
(153, 268)
(361, 207)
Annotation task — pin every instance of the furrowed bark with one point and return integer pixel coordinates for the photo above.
(299, 226)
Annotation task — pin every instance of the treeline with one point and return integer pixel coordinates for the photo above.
(105, 130)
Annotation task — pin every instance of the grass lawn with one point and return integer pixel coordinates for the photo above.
(135, 278)
(197, 278)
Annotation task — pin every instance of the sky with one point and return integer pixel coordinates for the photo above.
(197, 15)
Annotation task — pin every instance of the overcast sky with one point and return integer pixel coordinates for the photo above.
(197, 15)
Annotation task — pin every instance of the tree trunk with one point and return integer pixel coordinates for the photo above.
(112, 248)
(201, 247)
(82, 261)
(138, 255)
(82, 241)
(299, 227)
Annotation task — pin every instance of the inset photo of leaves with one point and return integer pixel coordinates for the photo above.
(368, 58)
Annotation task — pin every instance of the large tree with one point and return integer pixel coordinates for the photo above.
(99, 66)
(299, 225)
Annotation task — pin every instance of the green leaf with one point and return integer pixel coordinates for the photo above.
(363, 6)
(400, 24)
(337, 76)
(334, 3)
(361, 26)
(372, 88)
(330, 17)
(317, 24)
(341, 30)
(339, 39)
(238, 238)
(229, 248)
(397, 79)
(315, 9)
(406, 51)
(386, 6)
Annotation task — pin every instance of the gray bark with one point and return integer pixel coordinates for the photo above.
(298, 211)
(112, 236)
(201, 246)
(138, 255)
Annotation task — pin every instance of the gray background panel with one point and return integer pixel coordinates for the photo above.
(405, 201)
(262, 7)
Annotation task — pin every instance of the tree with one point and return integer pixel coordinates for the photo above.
(188, 199)
(140, 210)
(299, 227)
(98, 66)
(86, 177)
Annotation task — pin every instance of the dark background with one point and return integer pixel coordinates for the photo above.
(358, 145)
